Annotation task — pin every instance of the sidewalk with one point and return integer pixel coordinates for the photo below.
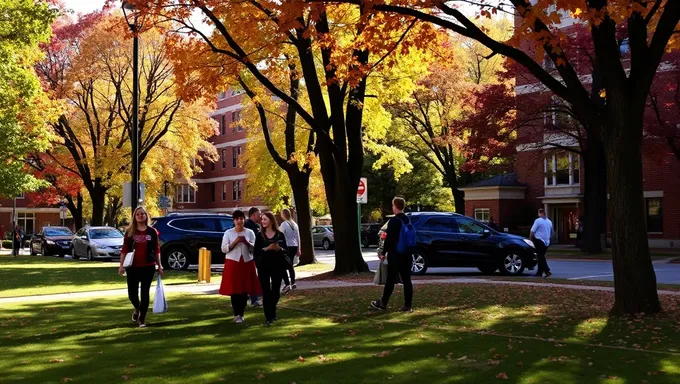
(212, 289)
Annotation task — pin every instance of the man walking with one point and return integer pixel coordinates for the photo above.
(541, 232)
(253, 223)
(397, 263)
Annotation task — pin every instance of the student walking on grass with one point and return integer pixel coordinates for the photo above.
(292, 234)
(271, 250)
(397, 249)
(141, 238)
(541, 232)
(239, 278)
(253, 223)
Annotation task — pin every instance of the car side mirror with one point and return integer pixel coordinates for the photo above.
(486, 233)
(83, 237)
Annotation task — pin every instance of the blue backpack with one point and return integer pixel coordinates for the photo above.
(407, 238)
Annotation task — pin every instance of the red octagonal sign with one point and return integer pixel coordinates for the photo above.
(362, 188)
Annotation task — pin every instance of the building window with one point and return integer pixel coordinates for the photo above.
(654, 215)
(235, 119)
(224, 191)
(559, 115)
(186, 194)
(237, 191)
(212, 192)
(27, 222)
(224, 158)
(235, 154)
(21, 196)
(223, 124)
(482, 214)
(562, 168)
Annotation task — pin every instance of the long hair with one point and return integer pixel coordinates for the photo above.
(285, 213)
(132, 228)
(272, 219)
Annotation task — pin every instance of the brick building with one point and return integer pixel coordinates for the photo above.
(30, 218)
(547, 177)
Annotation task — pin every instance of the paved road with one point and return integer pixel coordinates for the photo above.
(566, 269)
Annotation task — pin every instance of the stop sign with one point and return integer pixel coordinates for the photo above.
(362, 188)
(362, 193)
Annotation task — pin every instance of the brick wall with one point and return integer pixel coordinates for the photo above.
(661, 172)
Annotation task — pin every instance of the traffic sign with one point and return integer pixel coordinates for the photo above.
(362, 191)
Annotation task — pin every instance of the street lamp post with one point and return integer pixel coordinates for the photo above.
(132, 18)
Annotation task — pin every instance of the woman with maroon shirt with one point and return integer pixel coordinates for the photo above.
(140, 237)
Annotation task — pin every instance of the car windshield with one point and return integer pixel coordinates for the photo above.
(105, 233)
(330, 229)
(58, 232)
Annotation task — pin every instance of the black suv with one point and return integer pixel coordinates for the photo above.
(182, 235)
(370, 234)
(453, 240)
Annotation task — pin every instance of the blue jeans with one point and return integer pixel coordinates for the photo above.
(254, 299)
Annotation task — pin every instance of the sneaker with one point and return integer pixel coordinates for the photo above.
(257, 304)
(239, 319)
(406, 309)
(267, 324)
(377, 304)
(135, 316)
(286, 289)
(548, 274)
(142, 325)
(294, 286)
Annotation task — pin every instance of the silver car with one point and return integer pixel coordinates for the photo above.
(323, 237)
(97, 243)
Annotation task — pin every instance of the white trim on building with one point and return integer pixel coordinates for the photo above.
(231, 108)
(218, 179)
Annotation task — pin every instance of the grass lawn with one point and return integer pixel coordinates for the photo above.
(37, 275)
(458, 334)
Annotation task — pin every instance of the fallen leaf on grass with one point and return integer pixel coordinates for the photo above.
(66, 379)
(502, 376)
(461, 358)
(260, 376)
(301, 359)
(56, 361)
(383, 354)
(131, 365)
(125, 377)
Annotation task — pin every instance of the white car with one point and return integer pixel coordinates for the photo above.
(97, 243)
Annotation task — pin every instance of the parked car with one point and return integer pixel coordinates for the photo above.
(51, 241)
(97, 243)
(323, 237)
(453, 240)
(181, 237)
(370, 234)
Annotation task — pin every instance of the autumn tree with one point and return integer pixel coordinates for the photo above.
(24, 108)
(617, 119)
(88, 69)
(330, 49)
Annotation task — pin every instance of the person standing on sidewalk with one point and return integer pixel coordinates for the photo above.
(541, 232)
(398, 263)
(16, 240)
(253, 223)
(270, 248)
(141, 238)
(292, 234)
(239, 278)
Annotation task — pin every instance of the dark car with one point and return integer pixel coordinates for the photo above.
(182, 236)
(453, 240)
(370, 234)
(50, 241)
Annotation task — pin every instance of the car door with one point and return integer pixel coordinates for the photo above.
(223, 224)
(198, 232)
(81, 242)
(438, 236)
(477, 245)
(316, 236)
(36, 240)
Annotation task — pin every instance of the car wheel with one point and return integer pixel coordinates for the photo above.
(43, 250)
(512, 264)
(177, 259)
(419, 266)
(487, 270)
(89, 254)
(73, 253)
(326, 244)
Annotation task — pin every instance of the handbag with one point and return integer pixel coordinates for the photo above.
(129, 258)
(380, 277)
(160, 305)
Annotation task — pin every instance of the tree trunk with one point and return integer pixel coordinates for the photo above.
(300, 184)
(112, 208)
(98, 197)
(634, 277)
(76, 209)
(595, 195)
(459, 200)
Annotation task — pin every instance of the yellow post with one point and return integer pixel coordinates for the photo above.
(203, 265)
(207, 262)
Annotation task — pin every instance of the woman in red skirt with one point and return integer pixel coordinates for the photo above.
(239, 279)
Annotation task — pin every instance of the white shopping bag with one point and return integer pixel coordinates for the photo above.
(159, 303)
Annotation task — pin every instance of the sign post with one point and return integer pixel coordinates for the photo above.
(362, 198)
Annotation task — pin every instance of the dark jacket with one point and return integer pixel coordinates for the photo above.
(393, 232)
(151, 246)
(253, 226)
(271, 259)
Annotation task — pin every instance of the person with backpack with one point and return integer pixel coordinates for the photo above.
(292, 233)
(397, 249)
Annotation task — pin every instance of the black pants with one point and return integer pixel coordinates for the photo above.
(238, 303)
(541, 249)
(270, 280)
(17, 246)
(292, 251)
(135, 276)
(401, 266)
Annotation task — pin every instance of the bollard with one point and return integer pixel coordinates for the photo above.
(203, 265)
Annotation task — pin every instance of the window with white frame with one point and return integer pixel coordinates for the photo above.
(26, 221)
(482, 214)
(237, 191)
(562, 168)
(558, 114)
(236, 152)
(224, 191)
(186, 194)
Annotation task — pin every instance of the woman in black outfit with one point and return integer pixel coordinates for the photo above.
(270, 248)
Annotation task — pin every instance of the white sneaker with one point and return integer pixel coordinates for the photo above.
(286, 289)
(239, 319)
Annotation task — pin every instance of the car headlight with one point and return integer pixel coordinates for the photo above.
(529, 243)
(95, 244)
(50, 242)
